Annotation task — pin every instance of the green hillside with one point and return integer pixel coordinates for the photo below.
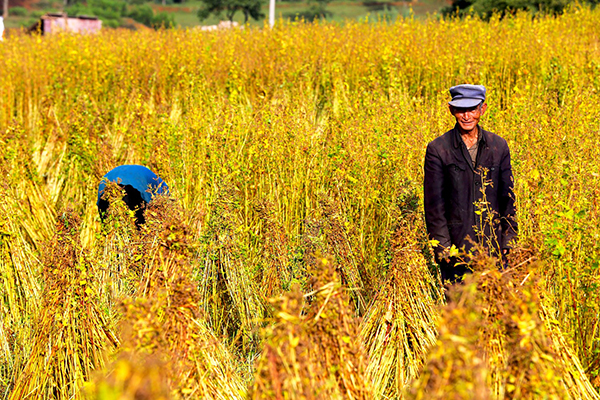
(26, 13)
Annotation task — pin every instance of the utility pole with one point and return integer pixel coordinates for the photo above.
(271, 13)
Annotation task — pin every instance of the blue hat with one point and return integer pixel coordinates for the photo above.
(467, 96)
(140, 178)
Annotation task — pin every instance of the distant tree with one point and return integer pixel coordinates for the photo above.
(250, 9)
(5, 9)
(109, 11)
(142, 14)
(163, 20)
(317, 10)
(486, 8)
(19, 11)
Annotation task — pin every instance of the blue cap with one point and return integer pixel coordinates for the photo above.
(467, 96)
(139, 177)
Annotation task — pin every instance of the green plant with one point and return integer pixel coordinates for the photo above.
(18, 11)
(250, 9)
(143, 14)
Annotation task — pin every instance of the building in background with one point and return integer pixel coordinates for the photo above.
(53, 23)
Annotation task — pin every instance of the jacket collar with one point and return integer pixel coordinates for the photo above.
(458, 140)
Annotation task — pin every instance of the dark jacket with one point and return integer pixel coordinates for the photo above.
(452, 186)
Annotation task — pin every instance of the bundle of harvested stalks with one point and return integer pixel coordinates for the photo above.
(124, 251)
(350, 264)
(167, 250)
(313, 353)
(537, 360)
(574, 375)
(456, 367)
(190, 360)
(228, 292)
(522, 359)
(71, 335)
(276, 274)
(19, 291)
(31, 208)
(164, 324)
(400, 324)
(133, 377)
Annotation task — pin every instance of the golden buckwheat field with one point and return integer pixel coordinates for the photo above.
(291, 259)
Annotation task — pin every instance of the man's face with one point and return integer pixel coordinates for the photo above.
(468, 118)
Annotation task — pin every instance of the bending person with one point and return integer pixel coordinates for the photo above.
(139, 183)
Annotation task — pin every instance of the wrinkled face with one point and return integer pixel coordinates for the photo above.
(468, 118)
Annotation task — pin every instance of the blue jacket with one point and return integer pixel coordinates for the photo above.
(137, 176)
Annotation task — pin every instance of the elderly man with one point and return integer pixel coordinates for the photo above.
(468, 185)
(139, 184)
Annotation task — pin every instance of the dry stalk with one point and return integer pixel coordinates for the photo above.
(524, 356)
(164, 324)
(277, 273)
(313, 352)
(71, 335)
(228, 294)
(400, 324)
(349, 262)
